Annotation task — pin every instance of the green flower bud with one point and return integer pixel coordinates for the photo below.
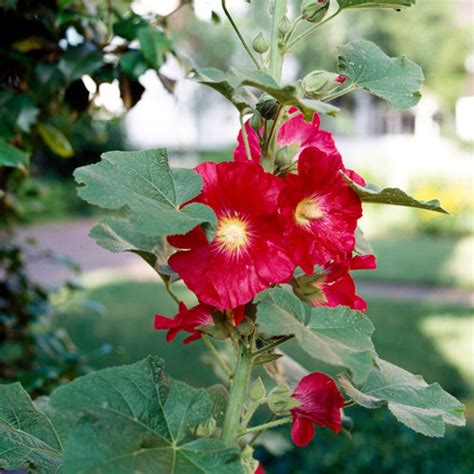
(267, 106)
(249, 464)
(284, 26)
(206, 428)
(318, 83)
(280, 400)
(260, 44)
(256, 121)
(246, 327)
(314, 10)
(306, 288)
(257, 390)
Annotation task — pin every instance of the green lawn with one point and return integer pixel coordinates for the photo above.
(423, 260)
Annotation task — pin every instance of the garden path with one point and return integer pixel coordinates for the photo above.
(70, 239)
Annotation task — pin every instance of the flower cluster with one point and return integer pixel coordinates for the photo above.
(296, 226)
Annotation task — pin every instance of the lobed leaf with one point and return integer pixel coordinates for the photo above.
(337, 336)
(393, 196)
(137, 419)
(152, 194)
(396, 4)
(396, 80)
(423, 408)
(27, 434)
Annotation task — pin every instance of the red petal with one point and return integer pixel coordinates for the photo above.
(302, 431)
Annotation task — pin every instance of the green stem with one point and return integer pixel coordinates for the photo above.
(273, 344)
(270, 145)
(245, 136)
(311, 30)
(168, 288)
(266, 426)
(218, 357)
(340, 93)
(236, 398)
(239, 34)
(276, 52)
(294, 26)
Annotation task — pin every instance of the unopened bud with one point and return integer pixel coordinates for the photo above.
(256, 121)
(267, 106)
(246, 327)
(257, 390)
(206, 428)
(308, 288)
(260, 44)
(314, 10)
(318, 83)
(284, 26)
(281, 401)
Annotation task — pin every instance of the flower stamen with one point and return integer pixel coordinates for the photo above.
(307, 210)
(232, 233)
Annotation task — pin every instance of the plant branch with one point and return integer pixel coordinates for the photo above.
(311, 30)
(266, 426)
(168, 288)
(272, 345)
(340, 93)
(276, 53)
(218, 356)
(239, 34)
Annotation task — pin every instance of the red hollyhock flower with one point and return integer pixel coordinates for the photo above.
(186, 320)
(337, 284)
(295, 132)
(248, 253)
(319, 210)
(321, 403)
(260, 470)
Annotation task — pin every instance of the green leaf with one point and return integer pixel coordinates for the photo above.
(137, 419)
(27, 435)
(154, 46)
(128, 27)
(151, 193)
(80, 60)
(423, 408)
(232, 86)
(119, 235)
(396, 4)
(133, 64)
(23, 112)
(337, 336)
(13, 157)
(396, 80)
(393, 196)
(55, 140)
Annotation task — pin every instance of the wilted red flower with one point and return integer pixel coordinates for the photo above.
(337, 285)
(186, 320)
(321, 403)
(295, 132)
(319, 210)
(248, 253)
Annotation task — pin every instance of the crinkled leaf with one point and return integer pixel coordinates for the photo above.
(27, 435)
(137, 419)
(337, 336)
(232, 86)
(13, 157)
(152, 194)
(55, 140)
(423, 408)
(396, 4)
(119, 235)
(396, 80)
(393, 196)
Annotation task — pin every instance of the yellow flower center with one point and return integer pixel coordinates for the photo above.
(232, 233)
(308, 210)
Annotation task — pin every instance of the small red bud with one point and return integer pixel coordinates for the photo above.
(341, 79)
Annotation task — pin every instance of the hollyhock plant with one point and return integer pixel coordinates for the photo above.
(248, 253)
(320, 404)
(319, 210)
(295, 133)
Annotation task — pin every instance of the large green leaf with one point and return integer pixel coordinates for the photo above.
(232, 85)
(27, 435)
(337, 336)
(152, 194)
(119, 235)
(396, 4)
(423, 408)
(13, 157)
(393, 196)
(154, 46)
(396, 80)
(137, 419)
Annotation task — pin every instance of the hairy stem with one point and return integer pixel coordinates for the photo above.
(273, 344)
(340, 93)
(217, 356)
(276, 52)
(236, 398)
(239, 34)
(266, 426)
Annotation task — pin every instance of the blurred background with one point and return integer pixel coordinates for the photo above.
(79, 77)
